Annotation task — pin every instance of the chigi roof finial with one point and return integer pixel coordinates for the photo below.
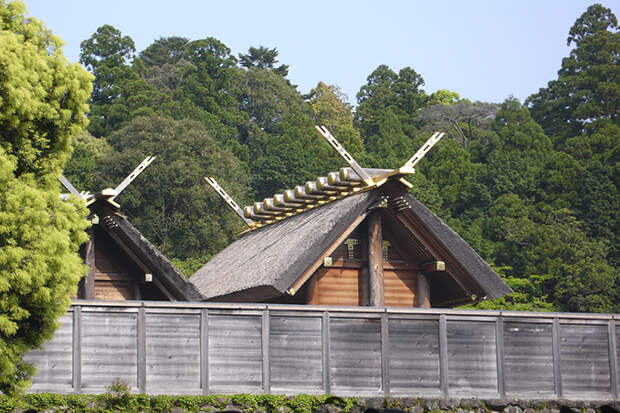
(325, 189)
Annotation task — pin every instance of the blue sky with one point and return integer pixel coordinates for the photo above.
(484, 50)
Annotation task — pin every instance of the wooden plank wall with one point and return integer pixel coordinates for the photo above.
(204, 348)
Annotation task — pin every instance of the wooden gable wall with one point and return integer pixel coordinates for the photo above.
(344, 277)
(114, 275)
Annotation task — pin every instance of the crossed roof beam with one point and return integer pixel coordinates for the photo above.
(325, 189)
(108, 193)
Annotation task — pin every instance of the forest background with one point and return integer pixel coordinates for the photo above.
(532, 187)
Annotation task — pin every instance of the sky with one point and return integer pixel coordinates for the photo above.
(484, 50)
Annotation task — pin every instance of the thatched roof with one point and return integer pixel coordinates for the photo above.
(265, 263)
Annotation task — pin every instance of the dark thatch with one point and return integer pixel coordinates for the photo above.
(267, 262)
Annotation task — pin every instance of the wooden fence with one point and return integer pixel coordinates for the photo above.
(201, 348)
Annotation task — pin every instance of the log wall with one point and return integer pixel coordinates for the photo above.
(203, 348)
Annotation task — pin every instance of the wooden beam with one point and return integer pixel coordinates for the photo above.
(363, 285)
(375, 260)
(424, 291)
(87, 284)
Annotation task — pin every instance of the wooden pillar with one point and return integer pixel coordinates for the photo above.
(86, 287)
(375, 260)
(424, 291)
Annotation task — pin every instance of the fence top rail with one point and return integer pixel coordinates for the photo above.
(153, 305)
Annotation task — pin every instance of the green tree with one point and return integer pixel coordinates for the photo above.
(84, 167)
(386, 114)
(463, 121)
(588, 86)
(42, 106)
(331, 109)
(107, 54)
(263, 58)
(173, 206)
(579, 111)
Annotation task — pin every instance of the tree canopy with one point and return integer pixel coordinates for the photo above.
(42, 108)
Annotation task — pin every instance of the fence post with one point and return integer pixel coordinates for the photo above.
(265, 347)
(499, 341)
(142, 349)
(77, 349)
(327, 386)
(613, 358)
(385, 354)
(557, 362)
(443, 354)
(204, 350)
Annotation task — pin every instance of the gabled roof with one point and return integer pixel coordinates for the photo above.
(142, 251)
(291, 232)
(269, 261)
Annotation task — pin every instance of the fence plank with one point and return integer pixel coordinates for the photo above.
(355, 354)
(528, 358)
(109, 350)
(54, 361)
(77, 350)
(296, 354)
(472, 358)
(613, 358)
(557, 362)
(584, 354)
(235, 353)
(385, 354)
(327, 380)
(414, 356)
(499, 337)
(443, 355)
(204, 350)
(265, 349)
(142, 350)
(172, 353)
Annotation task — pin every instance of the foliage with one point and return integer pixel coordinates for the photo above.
(42, 106)
(42, 97)
(264, 58)
(171, 203)
(83, 169)
(118, 399)
(588, 88)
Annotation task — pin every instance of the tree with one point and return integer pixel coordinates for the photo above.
(84, 167)
(588, 86)
(263, 58)
(42, 107)
(579, 111)
(462, 120)
(107, 54)
(173, 206)
(163, 51)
